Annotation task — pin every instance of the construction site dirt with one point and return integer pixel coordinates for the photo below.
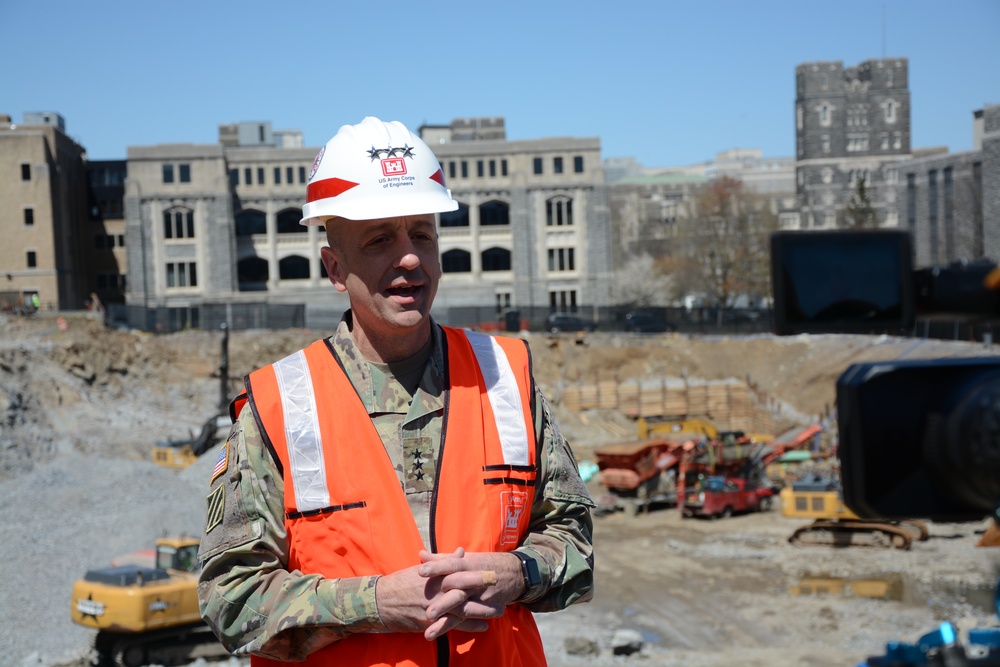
(81, 408)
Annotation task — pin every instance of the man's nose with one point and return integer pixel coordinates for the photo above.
(408, 258)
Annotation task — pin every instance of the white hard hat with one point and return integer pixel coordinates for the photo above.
(375, 170)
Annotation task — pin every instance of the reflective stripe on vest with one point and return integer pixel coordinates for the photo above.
(298, 404)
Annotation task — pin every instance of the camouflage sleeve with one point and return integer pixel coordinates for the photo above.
(560, 536)
(247, 595)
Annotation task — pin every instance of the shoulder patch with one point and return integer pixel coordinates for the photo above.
(216, 507)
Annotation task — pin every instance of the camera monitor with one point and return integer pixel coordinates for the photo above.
(842, 281)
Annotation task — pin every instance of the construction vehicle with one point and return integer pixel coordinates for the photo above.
(718, 496)
(834, 524)
(184, 452)
(638, 473)
(663, 427)
(146, 613)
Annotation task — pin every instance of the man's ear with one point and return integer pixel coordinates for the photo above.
(333, 268)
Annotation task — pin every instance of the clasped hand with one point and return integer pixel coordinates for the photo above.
(449, 591)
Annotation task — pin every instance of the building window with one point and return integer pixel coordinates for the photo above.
(250, 221)
(578, 164)
(557, 165)
(456, 261)
(289, 175)
(503, 167)
(825, 143)
(277, 175)
(184, 173)
(456, 218)
(288, 222)
(897, 140)
(260, 175)
(932, 205)
(494, 213)
(559, 212)
(234, 177)
(493, 168)
(29, 217)
(480, 169)
(465, 169)
(302, 174)
(824, 115)
(538, 165)
(888, 78)
(451, 169)
(31, 259)
(178, 223)
(890, 112)
(503, 301)
(25, 171)
(496, 259)
(911, 202)
(883, 141)
(563, 300)
(562, 259)
(294, 267)
(182, 274)
(168, 173)
(248, 176)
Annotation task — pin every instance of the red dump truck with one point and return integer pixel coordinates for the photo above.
(724, 496)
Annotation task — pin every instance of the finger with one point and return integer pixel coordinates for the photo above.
(426, 556)
(441, 626)
(445, 602)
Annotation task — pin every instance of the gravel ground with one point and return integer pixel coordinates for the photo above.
(80, 409)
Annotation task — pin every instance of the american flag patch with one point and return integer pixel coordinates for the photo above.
(221, 464)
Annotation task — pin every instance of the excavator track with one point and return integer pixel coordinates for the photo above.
(855, 534)
(174, 646)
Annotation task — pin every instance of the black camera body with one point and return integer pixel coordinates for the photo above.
(917, 438)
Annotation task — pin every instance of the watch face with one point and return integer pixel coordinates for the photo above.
(530, 569)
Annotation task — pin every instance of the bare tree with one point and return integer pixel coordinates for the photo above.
(640, 282)
(725, 242)
(859, 212)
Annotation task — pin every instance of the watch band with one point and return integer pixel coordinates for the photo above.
(531, 574)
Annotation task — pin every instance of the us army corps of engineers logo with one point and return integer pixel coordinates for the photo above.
(512, 504)
(393, 165)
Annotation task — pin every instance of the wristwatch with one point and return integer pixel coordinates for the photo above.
(532, 577)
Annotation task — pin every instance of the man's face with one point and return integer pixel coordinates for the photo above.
(389, 268)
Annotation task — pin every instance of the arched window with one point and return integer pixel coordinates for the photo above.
(494, 213)
(293, 268)
(178, 223)
(459, 218)
(496, 259)
(251, 272)
(249, 222)
(456, 261)
(559, 212)
(288, 221)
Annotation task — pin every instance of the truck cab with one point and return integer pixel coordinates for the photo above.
(718, 496)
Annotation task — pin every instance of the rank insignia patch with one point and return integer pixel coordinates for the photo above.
(221, 464)
(216, 507)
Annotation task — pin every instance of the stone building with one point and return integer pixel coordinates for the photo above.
(219, 223)
(950, 202)
(851, 123)
(43, 202)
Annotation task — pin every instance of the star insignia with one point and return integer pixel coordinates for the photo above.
(418, 464)
(420, 476)
(417, 454)
(407, 150)
(374, 153)
(84, 615)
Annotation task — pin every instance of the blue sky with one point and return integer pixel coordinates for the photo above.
(669, 83)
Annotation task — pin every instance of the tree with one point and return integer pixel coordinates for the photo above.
(641, 283)
(726, 242)
(859, 212)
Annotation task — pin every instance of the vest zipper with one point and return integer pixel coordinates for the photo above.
(443, 648)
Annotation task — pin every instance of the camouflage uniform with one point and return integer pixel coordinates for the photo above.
(255, 605)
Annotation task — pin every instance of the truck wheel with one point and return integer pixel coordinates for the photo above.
(765, 504)
(727, 512)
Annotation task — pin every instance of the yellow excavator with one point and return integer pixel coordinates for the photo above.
(145, 608)
(835, 525)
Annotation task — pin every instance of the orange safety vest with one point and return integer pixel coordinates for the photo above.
(347, 516)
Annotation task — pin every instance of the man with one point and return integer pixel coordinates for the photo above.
(397, 494)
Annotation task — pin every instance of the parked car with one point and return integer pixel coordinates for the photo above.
(560, 322)
(640, 322)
